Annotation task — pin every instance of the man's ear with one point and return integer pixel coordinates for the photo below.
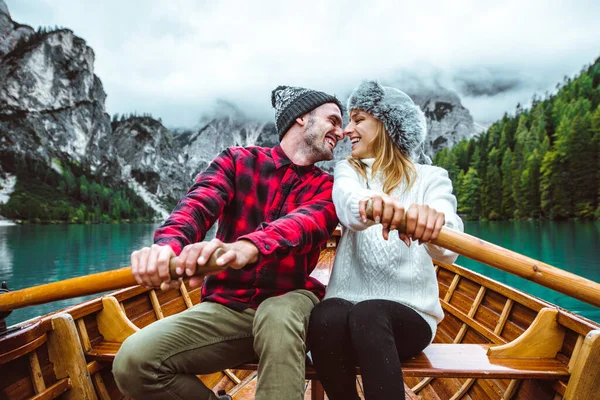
(302, 120)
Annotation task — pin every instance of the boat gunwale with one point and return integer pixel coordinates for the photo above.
(568, 319)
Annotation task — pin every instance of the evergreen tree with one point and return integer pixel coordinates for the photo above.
(469, 195)
(508, 202)
(491, 202)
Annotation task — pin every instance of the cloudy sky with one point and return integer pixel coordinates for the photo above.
(175, 58)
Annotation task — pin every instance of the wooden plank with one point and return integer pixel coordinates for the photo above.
(472, 323)
(21, 337)
(586, 370)
(508, 291)
(543, 339)
(576, 323)
(448, 329)
(66, 354)
(104, 351)
(21, 351)
(210, 380)
(54, 391)
(445, 388)
(37, 378)
(173, 307)
(95, 367)
(490, 309)
(463, 329)
(463, 389)
(471, 361)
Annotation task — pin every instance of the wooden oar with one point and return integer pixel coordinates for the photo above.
(515, 263)
(89, 284)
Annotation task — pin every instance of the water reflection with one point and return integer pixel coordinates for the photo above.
(43, 254)
(6, 257)
(567, 245)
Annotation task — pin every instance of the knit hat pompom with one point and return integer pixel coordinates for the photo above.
(403, 120)
(278, 89)
(292, 102)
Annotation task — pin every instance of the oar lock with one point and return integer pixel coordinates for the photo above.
(3, 314)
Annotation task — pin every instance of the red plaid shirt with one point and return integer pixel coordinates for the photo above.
(257, 194)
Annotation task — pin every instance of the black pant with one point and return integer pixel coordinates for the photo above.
(375, 335)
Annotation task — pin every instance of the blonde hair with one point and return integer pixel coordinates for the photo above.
(394, 165)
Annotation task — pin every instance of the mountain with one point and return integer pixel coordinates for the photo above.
(60, 150)
(448, 121)
(10, 31)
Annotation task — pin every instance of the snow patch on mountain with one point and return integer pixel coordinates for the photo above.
(55, 165)
(149, 198)
(7, 186)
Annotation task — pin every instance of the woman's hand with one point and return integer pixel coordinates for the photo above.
(423, 223)
(386, 210)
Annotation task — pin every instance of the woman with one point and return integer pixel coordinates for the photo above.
(382, 303)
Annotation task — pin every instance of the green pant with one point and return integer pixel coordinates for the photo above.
(161, 360)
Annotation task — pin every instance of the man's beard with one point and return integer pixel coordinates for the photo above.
(315, 145)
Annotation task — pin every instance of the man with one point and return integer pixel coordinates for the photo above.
(275, 213)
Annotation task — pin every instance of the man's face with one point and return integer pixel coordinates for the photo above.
(323, 130)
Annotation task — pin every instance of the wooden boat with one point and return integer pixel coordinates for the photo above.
(495, 342)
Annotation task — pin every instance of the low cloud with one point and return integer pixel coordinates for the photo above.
(173, 59)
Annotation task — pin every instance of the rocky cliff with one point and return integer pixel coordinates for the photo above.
(52, 110)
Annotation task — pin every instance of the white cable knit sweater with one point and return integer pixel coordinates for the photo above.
(369, 267)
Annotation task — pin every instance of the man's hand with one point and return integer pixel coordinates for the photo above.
(237, 255)
(150, 266)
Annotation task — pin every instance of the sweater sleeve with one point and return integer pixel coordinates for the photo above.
(438, 195)
(347, 192)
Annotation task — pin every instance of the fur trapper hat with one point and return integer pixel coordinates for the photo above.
(402, 118)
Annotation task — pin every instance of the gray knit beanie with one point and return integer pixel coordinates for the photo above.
(293, 102)
(402, 118)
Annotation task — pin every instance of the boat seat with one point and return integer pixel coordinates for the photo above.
(530, 356)
(437, 360)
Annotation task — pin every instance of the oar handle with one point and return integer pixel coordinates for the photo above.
(210, 267)
(90, 284)
(515, 263)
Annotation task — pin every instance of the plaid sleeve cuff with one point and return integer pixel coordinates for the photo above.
(266, 245)
(175, 244)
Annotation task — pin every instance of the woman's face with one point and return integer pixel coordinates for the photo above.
(361, 131)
